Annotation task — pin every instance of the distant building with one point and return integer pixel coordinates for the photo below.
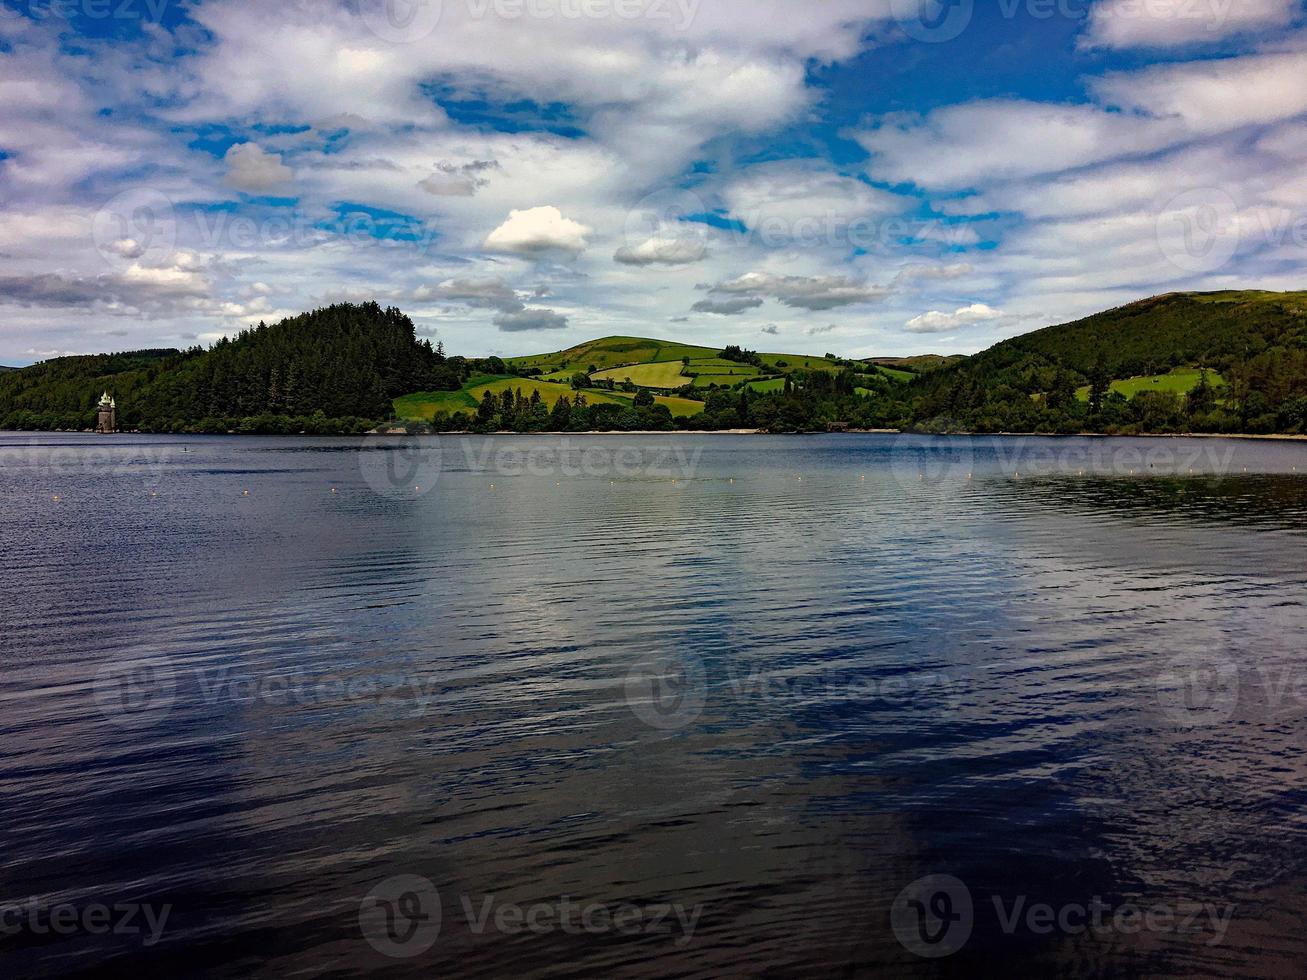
(107, 421)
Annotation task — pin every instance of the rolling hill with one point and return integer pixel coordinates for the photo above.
(1212, 362)
(1251, 345)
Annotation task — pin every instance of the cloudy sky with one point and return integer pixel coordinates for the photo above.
(857, 176)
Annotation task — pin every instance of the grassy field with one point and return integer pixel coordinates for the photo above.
(894, 374)
(1180, 381)
(648, 363)
(610, 352)
(423, 406)
(790, 362)
(657, 374)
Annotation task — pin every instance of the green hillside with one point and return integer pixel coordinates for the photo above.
(919, 363)
(331, 370)
(1138, 367)
(1207, 362)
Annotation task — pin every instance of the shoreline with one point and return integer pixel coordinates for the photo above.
(397, 434)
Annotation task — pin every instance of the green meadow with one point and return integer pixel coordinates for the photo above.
(1180, 381)
(422, 406)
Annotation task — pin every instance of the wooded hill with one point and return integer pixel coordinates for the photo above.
(335, 369)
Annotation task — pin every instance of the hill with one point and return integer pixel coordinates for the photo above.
(635, 377)
(331, 370)
(1225, 361)
(918, 363)
(1209, 362)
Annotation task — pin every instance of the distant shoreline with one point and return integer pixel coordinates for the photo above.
(395, 434)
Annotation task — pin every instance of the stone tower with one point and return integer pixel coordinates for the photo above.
(107, 421)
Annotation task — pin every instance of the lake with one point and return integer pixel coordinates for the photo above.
(619, 706)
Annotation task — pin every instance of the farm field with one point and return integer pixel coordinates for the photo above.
(1179, 381)
(423, 406)
(657, 374)
(610, 352)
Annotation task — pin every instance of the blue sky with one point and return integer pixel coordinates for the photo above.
(856, 176)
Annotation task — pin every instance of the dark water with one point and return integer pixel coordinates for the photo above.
(648, 706)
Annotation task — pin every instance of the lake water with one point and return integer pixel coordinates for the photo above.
(652, 706)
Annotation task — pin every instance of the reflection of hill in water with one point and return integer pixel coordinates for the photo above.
(1259, 500)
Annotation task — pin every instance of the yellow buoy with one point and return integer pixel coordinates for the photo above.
(245, 493)
(55, 498)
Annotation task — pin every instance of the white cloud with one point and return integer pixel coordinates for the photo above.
(530, 320)
(664, 250)
(537, 232)
(1167, 23)
(802, 292)
(937, 322)
(251, 168)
